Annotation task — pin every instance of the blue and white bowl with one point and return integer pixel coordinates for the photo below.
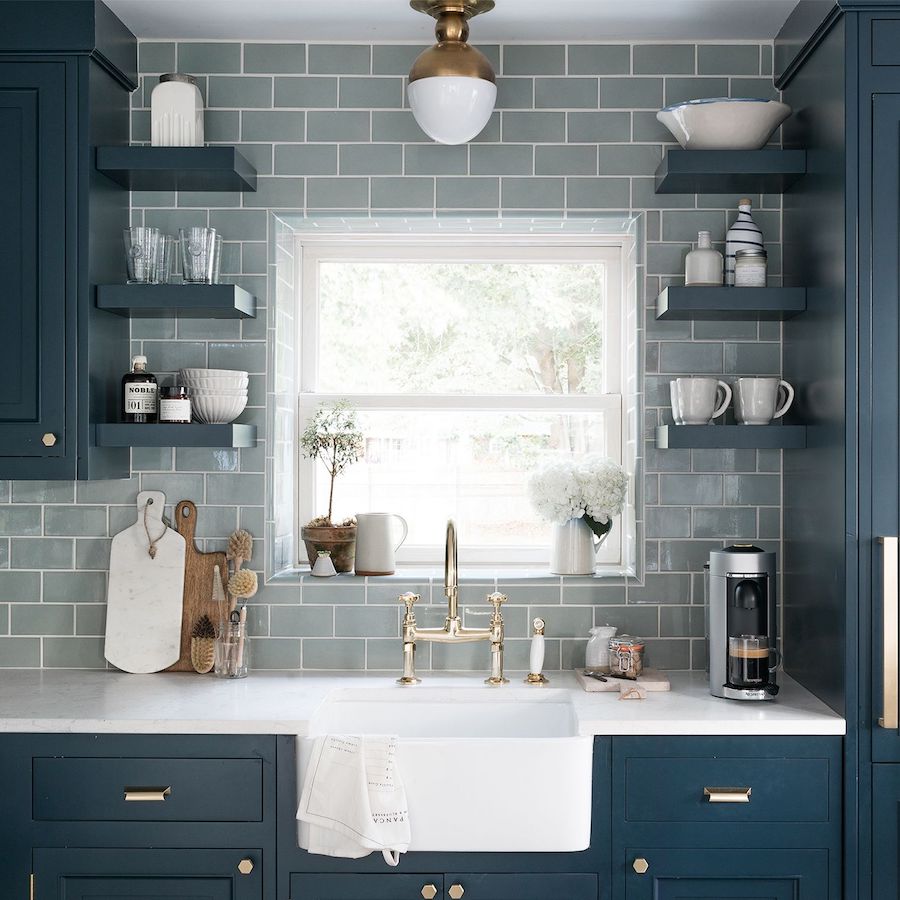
(724, 123)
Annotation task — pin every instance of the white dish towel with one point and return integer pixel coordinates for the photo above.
(353, 798)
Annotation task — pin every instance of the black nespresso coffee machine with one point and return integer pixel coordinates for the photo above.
(742, 628)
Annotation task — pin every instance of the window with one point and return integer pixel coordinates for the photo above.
(472, 359)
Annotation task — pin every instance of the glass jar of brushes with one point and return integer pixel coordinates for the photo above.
(232, 648)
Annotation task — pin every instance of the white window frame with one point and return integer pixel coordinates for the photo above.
(550, 248)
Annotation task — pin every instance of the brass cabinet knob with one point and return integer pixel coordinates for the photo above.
(640, 865)
(49, 439)
(429, 892)
(456, 891)
(245, 866)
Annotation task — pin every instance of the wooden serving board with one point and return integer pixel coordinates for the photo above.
(144, 593)
(199, 570)
(650, 680)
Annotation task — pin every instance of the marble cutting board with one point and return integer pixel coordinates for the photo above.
(144, 594)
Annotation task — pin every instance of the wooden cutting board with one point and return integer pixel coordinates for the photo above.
(199, 570)
(144, 593)
(650, 680)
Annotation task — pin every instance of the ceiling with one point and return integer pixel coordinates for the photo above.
(511, 20)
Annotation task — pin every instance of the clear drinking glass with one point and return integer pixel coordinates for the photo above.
(217, 259)
(232, 651)
(165, 257)
(141, 247)
(198, 254)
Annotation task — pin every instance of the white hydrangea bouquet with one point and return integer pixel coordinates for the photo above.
(593, 487)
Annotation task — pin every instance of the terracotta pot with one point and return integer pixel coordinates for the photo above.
(339, 539)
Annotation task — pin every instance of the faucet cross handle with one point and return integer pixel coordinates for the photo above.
(410, 600)
(496, 600)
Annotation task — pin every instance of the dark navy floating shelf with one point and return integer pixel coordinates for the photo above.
(194, 301)
(125, 435)
(767, 171)
(730, 303)
(177, 168)
(731, 437)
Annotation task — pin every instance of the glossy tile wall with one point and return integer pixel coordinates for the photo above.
(326, 126)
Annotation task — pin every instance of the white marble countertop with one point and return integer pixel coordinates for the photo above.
(74, 701)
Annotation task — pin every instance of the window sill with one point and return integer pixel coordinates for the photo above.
(435, 575)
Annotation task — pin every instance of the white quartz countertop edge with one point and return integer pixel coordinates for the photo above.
(75, 701)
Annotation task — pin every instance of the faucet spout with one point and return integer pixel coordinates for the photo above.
(451, 573)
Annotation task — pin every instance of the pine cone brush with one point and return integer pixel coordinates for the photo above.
(243, 583)
(203, 636)
(240, 548)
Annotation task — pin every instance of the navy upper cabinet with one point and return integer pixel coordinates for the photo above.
(61, 221)
(36, 188)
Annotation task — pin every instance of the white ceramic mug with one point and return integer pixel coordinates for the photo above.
(697, 401)
(757, 400)
(376, 542)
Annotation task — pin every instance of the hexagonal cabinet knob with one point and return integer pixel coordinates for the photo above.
(49, 439)
(245, 866)
(429, 892)
(456, 892)
(640, 865)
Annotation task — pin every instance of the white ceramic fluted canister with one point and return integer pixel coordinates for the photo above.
(176, 112)
(573, 549)
(376, 542)
(596, 654)
(743, 235)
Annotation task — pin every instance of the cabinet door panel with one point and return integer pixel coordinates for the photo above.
(87, 874)
(886, 831)
(35, 370)
(365, 887)
(727, 874)
(525, 887)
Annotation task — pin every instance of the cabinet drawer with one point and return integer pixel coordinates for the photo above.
(147, 790)
(726, 790)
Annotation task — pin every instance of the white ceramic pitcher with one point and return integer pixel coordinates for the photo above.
(573, 548)
(376, 542)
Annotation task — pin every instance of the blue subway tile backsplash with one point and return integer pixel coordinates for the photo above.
(329, 130)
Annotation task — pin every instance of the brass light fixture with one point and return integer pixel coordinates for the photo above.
(451, 85)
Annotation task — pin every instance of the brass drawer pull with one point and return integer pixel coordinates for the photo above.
(456, 892)
(641, 866)
(245, 866)
(429, 892)
(147, 794)
(727, 794)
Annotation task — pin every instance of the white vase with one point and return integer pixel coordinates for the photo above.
(573, 548)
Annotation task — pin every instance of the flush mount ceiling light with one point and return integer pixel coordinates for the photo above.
(451, 85)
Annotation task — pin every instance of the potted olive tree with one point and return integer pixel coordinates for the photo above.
(332, 437)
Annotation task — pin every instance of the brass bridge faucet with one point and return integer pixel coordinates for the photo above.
(453, 631)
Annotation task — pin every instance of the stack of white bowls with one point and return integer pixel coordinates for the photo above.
(218, 396)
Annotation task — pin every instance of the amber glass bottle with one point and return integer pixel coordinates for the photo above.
(140, 394)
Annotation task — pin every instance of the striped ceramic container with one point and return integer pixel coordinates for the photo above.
(743, 235)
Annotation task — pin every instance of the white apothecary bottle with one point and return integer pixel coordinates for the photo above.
(704, 266)
(176, 112)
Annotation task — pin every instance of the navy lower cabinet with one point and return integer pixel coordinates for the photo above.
(491, 886)
(726, 817)
(886, 831)
(86, 874)
(772, 874)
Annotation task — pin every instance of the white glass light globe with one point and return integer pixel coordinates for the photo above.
(452, 109)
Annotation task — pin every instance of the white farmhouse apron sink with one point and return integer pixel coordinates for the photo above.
(485, 769)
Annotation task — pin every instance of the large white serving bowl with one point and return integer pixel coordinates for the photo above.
(217, 392)
(485, 770)
(217, 410)
(724, 123)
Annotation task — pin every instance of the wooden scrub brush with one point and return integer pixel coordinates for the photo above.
(243, 584)
(240, 548)
(203, 637)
